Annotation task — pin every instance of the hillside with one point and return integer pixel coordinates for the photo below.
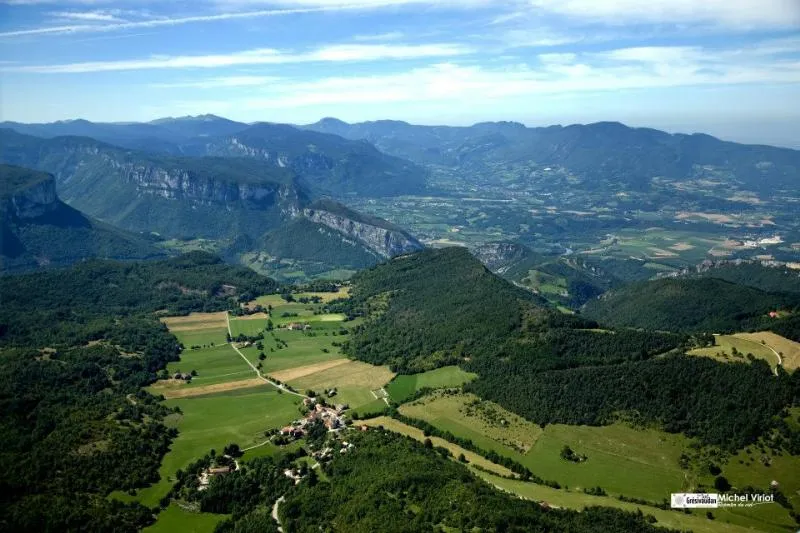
(691, 305)
(39, 230)
(604, 151)
(431, 308)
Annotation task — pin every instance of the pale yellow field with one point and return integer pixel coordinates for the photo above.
(195, 321)
(254, 316)
(782, 345)
(347, 374)
(173, 389)
(303, 371)
(398, 427)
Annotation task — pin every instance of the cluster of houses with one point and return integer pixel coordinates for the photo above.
(330, 416)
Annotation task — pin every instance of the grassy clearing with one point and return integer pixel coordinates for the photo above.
(487, 424)
(403, 387)
(578, 500)
(213, 421)
(219, 364)
(202, 337)
(174, 518)
(181, 391)
(622, 460)
(726, 344)
(789, 349)
(398, 427)
(247, 326)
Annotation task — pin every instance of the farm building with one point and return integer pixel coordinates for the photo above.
(298, 326)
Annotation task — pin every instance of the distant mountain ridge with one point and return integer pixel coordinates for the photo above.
(326, 164)
(603, 150)
(38, 229)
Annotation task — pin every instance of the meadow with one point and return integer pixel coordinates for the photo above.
(404, 386)
(215, 420)
(736, 347)
(622, 460)
(353, 380)
(174, 518)
(789, 350)
(213, 365)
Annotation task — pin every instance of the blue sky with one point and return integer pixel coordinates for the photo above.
(727, 67)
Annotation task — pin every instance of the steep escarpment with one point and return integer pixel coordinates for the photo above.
(39, 230)
(325, 164)
(173, 196)
(376, 234)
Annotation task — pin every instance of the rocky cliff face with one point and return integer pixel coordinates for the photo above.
(181, 184)
(500, 256)
(33, 201)
(384, 241)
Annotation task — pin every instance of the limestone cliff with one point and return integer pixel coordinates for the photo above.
(378, 236)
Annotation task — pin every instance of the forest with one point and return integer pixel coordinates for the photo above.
(724, 404)
(76, 346)
(691, 305)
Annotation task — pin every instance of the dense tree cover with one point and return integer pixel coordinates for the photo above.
(693, 305)
(76, 346)
(753, 274)
(727, 404)
(305, 240)
(430, 308)
(392, 483)
(441, 306)
(78, 304)
(36, 235)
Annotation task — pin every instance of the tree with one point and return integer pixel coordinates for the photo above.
(428, 444)
(721, 484)
(462, 458)
(233, 450)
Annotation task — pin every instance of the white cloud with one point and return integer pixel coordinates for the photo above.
(86, 16)
(741, 13)
(261, 56)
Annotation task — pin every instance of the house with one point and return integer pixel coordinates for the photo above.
(298, 326)
(340, 407)
(773, 314)
(219, 470)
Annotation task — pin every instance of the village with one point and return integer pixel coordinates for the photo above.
(319, 415)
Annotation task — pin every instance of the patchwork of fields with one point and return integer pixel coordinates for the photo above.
(227, 401)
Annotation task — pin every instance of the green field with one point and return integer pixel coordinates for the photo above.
(173, 519)
(303, 349)
(215, 420)
(202, 337)
(403, 387)
(213, 365)
(696, 522)
(247, 326)
(622, 460)
(725, 345)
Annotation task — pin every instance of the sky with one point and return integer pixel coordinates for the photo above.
(730, 68)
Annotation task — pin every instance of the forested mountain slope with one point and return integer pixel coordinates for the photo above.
(39, 230)
(688, 304)
(443, 307)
